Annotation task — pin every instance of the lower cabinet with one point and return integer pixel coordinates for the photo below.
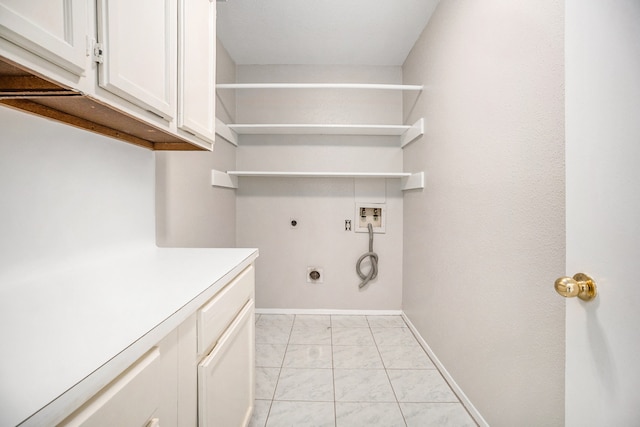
(226, 354)
(226, 376)
(201, 374)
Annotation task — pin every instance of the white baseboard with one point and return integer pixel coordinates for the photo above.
(448, 378)
(321, 311)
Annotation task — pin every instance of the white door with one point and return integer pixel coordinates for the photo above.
(55, 31)
(139, 42)
(602, 52)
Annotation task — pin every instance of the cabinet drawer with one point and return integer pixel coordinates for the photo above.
(215, 316)
(130, 400)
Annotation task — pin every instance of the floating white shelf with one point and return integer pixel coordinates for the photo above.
(318, 129)
(265, 174)
(407, 133)
(368, 86)
(410, 181)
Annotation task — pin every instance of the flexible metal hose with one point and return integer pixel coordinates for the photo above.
(373, 273)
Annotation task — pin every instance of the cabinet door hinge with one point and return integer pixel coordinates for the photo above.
(98, 53)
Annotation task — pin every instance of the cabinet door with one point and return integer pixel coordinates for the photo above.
(138, 43)
(226, 376)
(197, 67)
(54, 30)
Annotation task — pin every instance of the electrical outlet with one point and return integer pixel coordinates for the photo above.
(293, 223)
(347, 225)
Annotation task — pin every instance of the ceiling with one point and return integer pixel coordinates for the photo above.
(321, 32)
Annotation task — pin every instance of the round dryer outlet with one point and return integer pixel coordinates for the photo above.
(314, 275)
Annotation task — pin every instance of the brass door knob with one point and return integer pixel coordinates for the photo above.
(581, 286)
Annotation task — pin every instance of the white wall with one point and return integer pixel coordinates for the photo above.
(68, 195)
(484, 241)
(190, 212)
(265, 205)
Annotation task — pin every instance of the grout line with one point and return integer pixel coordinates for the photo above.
(273, 397)
(386, 372)
(266, 419)
(333, 374)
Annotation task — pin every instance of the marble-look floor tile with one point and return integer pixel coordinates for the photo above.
(436, 415)
(368, 414)
(362, 385)
(266, 380)
(342, 321)
(386, 322)
(405, 357)
(260, 412)
(347, 371)
(420, 386)
(310, 335)
(276, 320)
(356, 357)
(298, 414)
(393, 336)
(272, 334)
(308, 356)
(305, 384)
(312, 320)
(352, 336)
(270, 355)
(257, 317)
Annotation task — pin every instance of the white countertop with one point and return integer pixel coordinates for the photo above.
(66, 334)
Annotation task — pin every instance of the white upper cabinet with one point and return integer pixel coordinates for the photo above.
(54, 30)
(140, 71)
(197, 67)
(137, 40)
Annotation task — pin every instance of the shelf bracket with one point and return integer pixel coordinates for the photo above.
(226, 132)
(223, 179)
(413, 182)
(413, 133)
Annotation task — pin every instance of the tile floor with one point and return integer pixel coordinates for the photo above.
(347, 371)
